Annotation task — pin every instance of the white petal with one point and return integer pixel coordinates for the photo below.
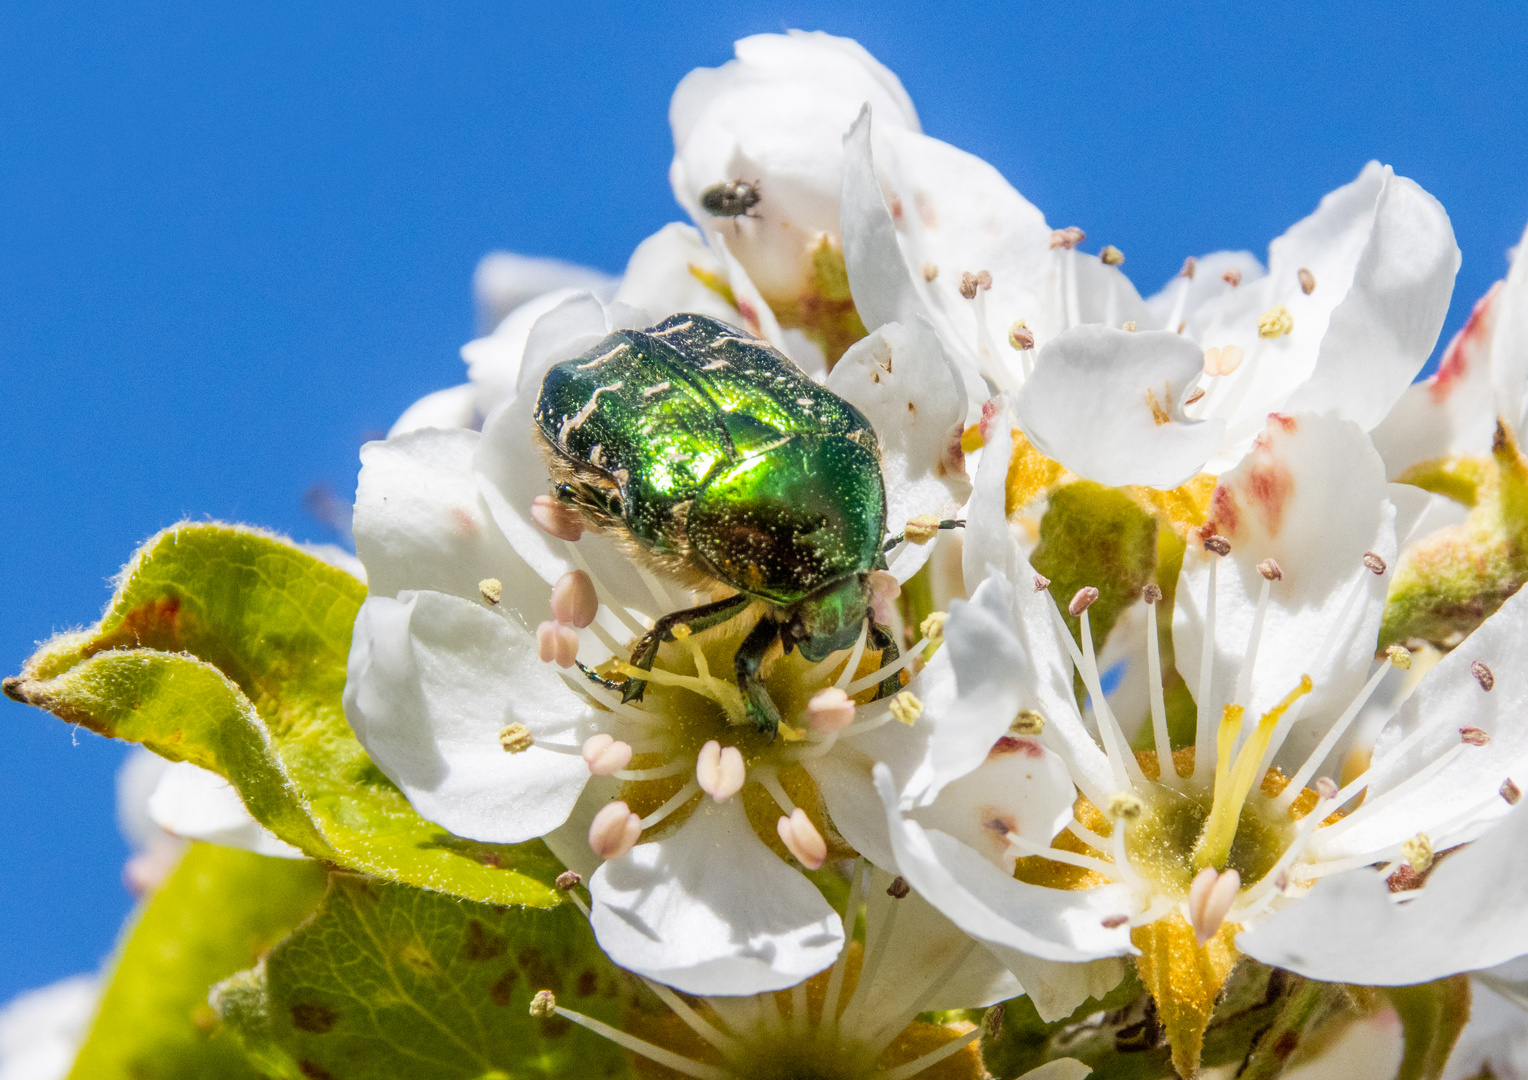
(453, 407)
(664, 276)
(1451, 411)
(1052, 924)
(1509, 346)
(41, 1030)
(192, 802)
(708, 909)
(432, 680)
(1055, 988)
(1448, 698)
(1181, 298)
(1021, 788)
(493, 361)
(1349, 928)
(421, 523)
(1287, 501)
(1369, 1048)
(504, 280)
(915, 400)
(1108, 404)
(843, 778)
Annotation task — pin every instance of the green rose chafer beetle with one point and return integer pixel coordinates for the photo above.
(710, 457)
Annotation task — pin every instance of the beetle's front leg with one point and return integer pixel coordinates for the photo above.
(750, 656)
(645, 651)
(880, 638)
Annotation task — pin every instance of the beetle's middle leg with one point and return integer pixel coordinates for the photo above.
(645, 651)
(749, 658)
(880, 638)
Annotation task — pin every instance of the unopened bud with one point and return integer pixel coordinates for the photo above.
(1152, 593)
(1399, 656)
(906, 708)
(921, 529)
(1082, 600)
(1190, 265)
(557, 643)
(984, 279)
(1111, 255)
(561, 521)
(1326, 787)
(899, 888)
(544, 1004)
(515, 739)
(930, 271)
(1219, 545)
(614, 831)
(968, 285)
(1275, 322)
(567, 881)
(573, 599)
(830, 710)
(933, 626)
(1474, 736)
(720, 771)
(606, 755)
(491, 590)
(1510, 791)
(1020, 336)
(1041, 583)
(1270, 570)
(1482, 675)
(1231, 277)
(1307, 281)
(1028, 722)
(1375, 564)
(802, 839)
(1418, 852)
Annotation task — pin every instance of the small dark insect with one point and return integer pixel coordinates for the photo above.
(712, 459)
(731, 198)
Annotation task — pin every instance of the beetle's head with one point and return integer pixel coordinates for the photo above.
(830, 619)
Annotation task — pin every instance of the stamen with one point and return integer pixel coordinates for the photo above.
(882, 1036)
(830, 711)
(1204, 762)
(1233, 783)
(1474, 736)
(1086, 862)
(604, 594)
(1027, 722)
(1275, 322)
(678, 799)
(906, 707)
(1329, 740)
(1254, 641)
(557, 643)
(802, 839)
(605, 755)
(1111, 255)
(899, 889)
(933, 1057)
(614, 831)
(1127, 771)
(852, 665)
(515, 739)
(1020, 336)
(657, 772)
(1073, 302)
(1232, 277)
(720, 771)
(1419, 852)
(491, 590)
(1087, 835)
(836, 977)
(1276, 880)
(930, 271)
(1307, 281)
(545, 1005)
(557, 519)
(1510, 791)
(1209, 901)
(1482, 675)
(905, 660)
(1166, 769)
(573, 599)
(1374, 563)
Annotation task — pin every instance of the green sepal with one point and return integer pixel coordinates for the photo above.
(1432, 1016)
(218, 910)
(388, 982)
(226, 647)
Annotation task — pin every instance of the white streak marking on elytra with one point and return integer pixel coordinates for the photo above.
(673, 329)
(574, 422)
(658, 389)
(598, 360)
(715, 365)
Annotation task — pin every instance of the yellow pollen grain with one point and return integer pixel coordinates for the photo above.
(1275, 322)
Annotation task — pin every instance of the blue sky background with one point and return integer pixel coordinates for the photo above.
(235, 242)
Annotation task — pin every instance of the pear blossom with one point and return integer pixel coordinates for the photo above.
(41, 1030)
(1405, 871)
(490, 606)
(857, 1021)
(1345, 316)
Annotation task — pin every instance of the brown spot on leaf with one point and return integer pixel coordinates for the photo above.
(314, 1071)
(588, 983)
(481, 943)
(502, 992)
(539, 971)
(1285, 1045)
(311, 1016)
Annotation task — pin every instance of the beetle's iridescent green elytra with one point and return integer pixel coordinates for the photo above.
(712, 457)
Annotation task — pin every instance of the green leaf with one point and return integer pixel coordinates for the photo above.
(388, 982)
(226, 647)
(216, 913)
(1432, 1016)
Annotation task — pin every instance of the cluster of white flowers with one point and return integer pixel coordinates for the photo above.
(1026, 846)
